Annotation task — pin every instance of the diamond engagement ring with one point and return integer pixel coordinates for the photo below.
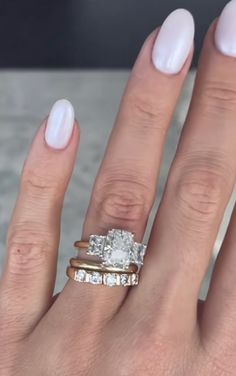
(116, 249)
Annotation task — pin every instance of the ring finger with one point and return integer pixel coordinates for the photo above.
(28, 278)
(125, 186)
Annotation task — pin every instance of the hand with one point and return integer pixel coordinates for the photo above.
(158, 327)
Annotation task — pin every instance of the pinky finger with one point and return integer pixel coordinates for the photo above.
(33, 236)
(219, 313)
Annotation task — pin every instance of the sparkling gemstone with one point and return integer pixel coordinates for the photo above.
(96, 244)
(134, 279)
(96, 278)
(124, 279)
(138, 253)
(118, 248)
(111, 279)
(80, 275)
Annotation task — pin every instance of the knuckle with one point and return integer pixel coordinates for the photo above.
(122, 199)
(39, 185)
(201, 186)
(123, 206)
(199, 192)
(145, 113)
(218, 96)
(28, 250)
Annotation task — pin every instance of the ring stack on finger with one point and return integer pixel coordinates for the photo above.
(119, 259)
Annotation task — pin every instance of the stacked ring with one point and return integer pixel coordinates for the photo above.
(119, 259)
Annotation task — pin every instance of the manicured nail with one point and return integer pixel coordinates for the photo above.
(60, 124)
(174, 42)
(225, 35)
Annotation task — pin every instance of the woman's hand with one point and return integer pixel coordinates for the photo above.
(156, 327)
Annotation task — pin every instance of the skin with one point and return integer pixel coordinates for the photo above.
(158, 327)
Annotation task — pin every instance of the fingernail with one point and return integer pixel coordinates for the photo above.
(174, 42)
(225, 34)
(60, 124)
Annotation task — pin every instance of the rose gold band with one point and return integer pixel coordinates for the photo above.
(102, 278)
(94, 265)
(81, 244)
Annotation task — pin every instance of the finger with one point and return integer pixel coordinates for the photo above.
(125, 186)
(32, 241)
(199, 186)
(218, 319)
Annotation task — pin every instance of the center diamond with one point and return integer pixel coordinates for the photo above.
(118, 248)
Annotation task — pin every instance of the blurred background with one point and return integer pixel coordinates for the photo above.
(83, 51)
(88, 33)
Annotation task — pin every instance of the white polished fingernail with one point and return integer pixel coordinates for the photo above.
(60, 124)
(174, 42)
(225, 34)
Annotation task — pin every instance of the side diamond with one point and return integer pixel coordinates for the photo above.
(96, 245)
(138, 253)
(80, 275)
(96, 278)
(135, 279)
(110, 279)
(124, 279)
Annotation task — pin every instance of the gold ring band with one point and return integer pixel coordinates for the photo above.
(81, 244)
(102, 278)
(93, 265)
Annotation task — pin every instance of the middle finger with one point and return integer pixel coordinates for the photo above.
(199, 186)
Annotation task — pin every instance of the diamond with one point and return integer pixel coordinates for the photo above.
(95, 278)
(134, 279)
(96, 245)
(138, 253)
(80, 275)
(124, 279)
(111, 279)
(118, 248)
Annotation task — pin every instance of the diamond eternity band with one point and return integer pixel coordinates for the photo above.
(103, 278)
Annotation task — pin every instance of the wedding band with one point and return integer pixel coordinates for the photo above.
(102, 278)
(93, 265)
(116, 249)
